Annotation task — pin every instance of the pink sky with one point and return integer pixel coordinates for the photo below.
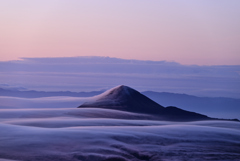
(189, 32)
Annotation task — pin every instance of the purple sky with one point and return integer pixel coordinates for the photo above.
(189, 32)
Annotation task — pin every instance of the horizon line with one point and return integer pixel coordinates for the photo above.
(92, 56)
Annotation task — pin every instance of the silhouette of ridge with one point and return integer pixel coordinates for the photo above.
(125, 98)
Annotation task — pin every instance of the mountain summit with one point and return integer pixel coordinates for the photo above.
(127, 99)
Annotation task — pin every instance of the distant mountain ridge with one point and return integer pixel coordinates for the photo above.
(37, 94)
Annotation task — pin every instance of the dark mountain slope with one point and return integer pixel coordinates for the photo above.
(126, 99)
(219, 107)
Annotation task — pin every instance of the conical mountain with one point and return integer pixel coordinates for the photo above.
(126, 99)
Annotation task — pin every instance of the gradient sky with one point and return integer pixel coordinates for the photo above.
(200, 32)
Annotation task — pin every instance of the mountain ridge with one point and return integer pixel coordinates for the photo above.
(124, 98)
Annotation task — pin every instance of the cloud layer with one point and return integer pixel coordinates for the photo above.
(97, 73)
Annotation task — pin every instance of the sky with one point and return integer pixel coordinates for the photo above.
(189, 32)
